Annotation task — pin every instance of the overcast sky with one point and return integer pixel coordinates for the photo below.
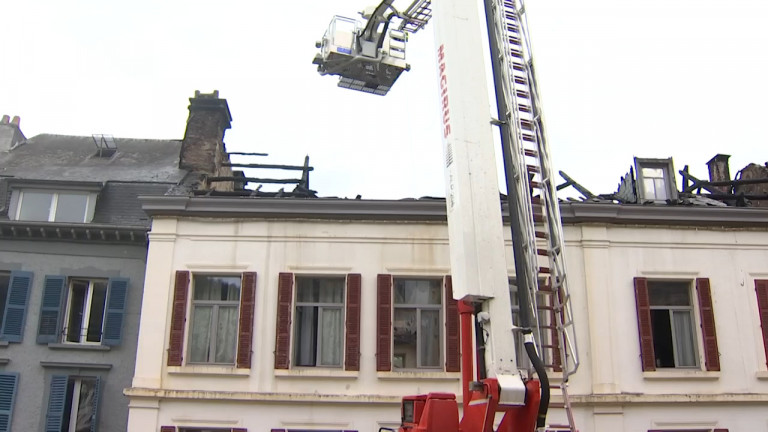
(619, 78)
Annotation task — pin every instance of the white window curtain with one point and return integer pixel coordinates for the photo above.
(200, 334)
(319, 322)
(684, 344)
(226, 335)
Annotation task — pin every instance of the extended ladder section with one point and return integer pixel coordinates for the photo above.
(538, 209)
(416, 16)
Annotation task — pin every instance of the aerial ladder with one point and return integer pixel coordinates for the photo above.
(370, 58)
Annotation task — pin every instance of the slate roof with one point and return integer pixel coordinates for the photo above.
(138, 167)
(73, 158)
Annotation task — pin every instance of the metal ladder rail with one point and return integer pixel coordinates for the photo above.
(516, 98)
(416, 16)
(529, 118)
(568, 345)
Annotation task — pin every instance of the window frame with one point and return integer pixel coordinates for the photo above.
(703, 325)
(285, 329)
(320, 306)
(61, 400)
(692, 313)
(216, 305)
(54, 202)
(83, 338)
(419, 307)
(667, 167)
(53, 310)
(179, 319)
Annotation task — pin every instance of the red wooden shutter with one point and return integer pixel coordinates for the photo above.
(711, 354)
(647, 354)
(284, 305)
(178, 318)
(761, 287)
(245, 333)
(384, 322)
(239, 430)
(452, 352)
(352, 346)
(167, 428)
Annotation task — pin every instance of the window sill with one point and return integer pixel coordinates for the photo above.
(81, 347)
(681, 374)
(761, 375)
(4, 344)
(216, 370)
(421, 375)
(316, 373)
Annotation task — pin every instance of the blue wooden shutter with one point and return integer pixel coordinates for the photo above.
(8, 383)
(16, 307)
(57, 396)
(50, 309)
(115, 311)
(95, 411)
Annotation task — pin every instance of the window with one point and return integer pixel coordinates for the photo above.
(80, 310)
(410, 324)
(667, 323)
(85, 310)
(655, 179)
(319, 321)
(8, 384)
(215, 307)
(672, 322)
(221, 319)
(416, 323)
(14, 296)
(72, 403)
(46, 206)
(325, 315)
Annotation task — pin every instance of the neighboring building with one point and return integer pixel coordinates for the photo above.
(72, 262)
(320, 314)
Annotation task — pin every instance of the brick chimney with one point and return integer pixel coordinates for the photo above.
(10, 133)
(203, 149)
(719, 171)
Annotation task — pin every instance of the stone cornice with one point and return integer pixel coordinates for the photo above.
(433, 210)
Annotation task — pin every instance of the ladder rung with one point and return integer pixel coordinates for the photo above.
(533, 169)
(535, 184)
(541, 235)
(544, 270)
(538, 218)
(529, 137)
(542, 252)
(522, 94)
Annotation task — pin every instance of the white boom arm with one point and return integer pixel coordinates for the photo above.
(478, 264)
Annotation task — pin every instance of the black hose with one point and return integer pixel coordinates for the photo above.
(480, 347)
(538, 365)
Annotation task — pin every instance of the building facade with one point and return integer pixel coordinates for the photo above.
(299, 315)
(73, 245)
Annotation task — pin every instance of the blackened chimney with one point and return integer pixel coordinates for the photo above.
(719, 171)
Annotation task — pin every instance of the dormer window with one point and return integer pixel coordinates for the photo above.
(655, 179)
(52, 206)
(44, 203)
